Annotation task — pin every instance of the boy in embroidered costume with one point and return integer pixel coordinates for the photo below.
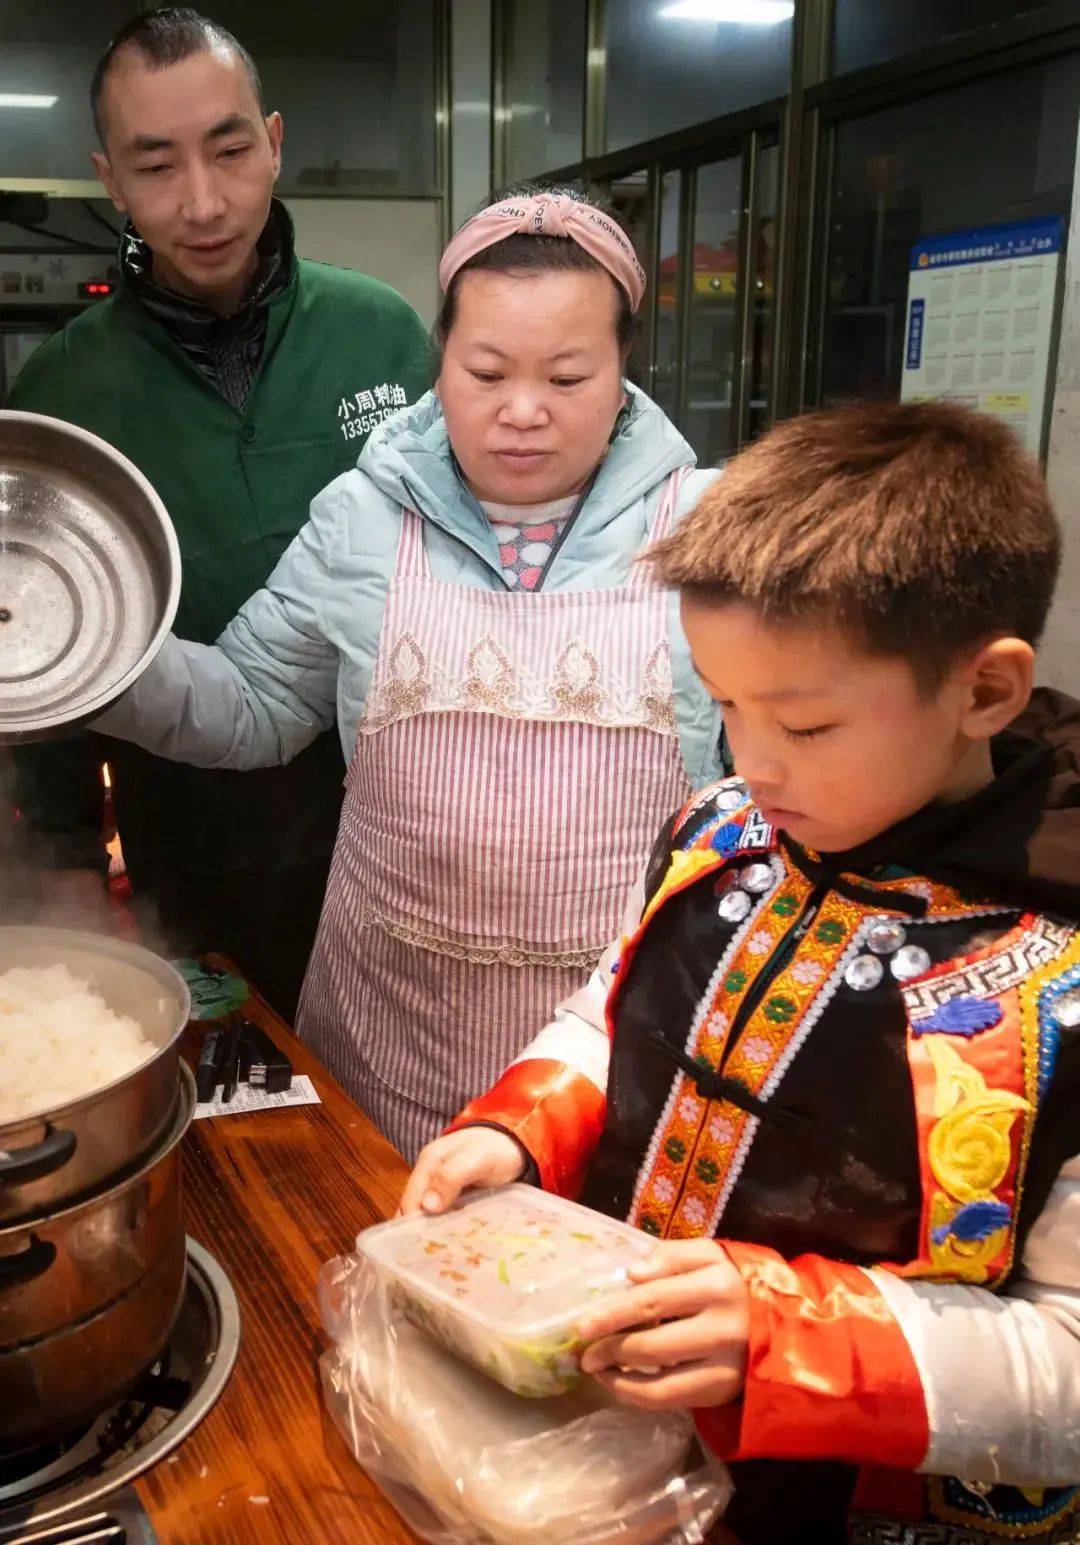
(834, 1063)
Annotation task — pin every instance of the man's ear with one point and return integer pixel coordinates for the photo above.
(100, 162)
(275, 133)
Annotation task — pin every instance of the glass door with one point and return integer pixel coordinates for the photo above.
(666, 286)
(715, 302)
(633, 201)
(713, 345)
(705, 232)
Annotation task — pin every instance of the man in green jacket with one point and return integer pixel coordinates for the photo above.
(241, 380)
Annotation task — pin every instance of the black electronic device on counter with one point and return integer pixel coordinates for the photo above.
(239, 1052)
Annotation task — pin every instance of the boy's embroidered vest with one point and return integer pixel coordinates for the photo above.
(981, 1040)
(982, 1032)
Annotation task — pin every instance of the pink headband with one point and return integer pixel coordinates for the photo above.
(549, 214)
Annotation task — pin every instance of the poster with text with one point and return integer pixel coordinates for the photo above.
(980, 320)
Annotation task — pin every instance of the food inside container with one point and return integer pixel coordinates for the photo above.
(466, 1463)
(503, 1278)
(59, 1040)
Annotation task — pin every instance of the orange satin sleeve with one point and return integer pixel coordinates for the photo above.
(829, 1373)
(556, 1114)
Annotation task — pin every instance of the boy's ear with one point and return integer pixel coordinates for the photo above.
(1000, 677)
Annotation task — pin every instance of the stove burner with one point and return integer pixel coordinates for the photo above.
(16, 1468)
(32, 1475)
(52, 1494)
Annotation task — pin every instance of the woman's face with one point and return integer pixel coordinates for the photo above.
(531, 382)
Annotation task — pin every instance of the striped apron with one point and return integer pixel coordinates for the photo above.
(517, 753)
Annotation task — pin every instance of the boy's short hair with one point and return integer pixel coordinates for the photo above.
(921, 528)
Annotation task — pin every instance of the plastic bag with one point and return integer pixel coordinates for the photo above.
(467, 1463)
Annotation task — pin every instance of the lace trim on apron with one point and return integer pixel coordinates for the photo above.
(481, 955)
(574, 688)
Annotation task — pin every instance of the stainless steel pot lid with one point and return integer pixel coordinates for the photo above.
(89, 575)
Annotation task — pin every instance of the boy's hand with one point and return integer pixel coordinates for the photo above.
(696, 1358)
(476, 1156)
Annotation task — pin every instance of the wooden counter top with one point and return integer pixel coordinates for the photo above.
(273, 1196)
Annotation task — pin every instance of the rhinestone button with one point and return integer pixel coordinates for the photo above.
(734, 906)
(757, 879)
(885, 938)
(864, 973)
(909, 961)
(1067, 1009)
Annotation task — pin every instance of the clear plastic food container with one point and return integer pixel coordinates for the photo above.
(504, 1277)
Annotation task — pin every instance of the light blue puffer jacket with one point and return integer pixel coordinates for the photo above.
(299, 656)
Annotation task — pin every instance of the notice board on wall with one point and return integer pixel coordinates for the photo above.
(980, 320)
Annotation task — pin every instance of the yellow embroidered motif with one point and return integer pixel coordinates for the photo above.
(683, 866)
(969, 1151)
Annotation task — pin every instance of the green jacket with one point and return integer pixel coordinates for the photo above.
(342, 352)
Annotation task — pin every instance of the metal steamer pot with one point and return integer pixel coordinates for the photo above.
(89, 1295)
(49, 1159)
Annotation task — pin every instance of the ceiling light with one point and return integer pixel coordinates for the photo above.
(22, 99)
(747, 13)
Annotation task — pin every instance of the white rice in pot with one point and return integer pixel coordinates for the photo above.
(59, 1041)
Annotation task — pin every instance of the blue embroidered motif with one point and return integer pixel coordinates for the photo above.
(972, 1222)
(725, 839)
(960, 1016)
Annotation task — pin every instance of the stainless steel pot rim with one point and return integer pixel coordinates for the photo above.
(132, 954)
(182, 1118)
(101, 700)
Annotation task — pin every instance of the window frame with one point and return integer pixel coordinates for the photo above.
(1005, 48)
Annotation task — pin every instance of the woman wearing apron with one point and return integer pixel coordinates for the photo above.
(513, 693)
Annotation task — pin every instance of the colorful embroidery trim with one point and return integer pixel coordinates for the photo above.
(699, 1147)
(970, 1154)
(979, 1065)
(975, 1107)
(991, 973)
(1004, 1512)
(1057, 1005)
(696, 1139)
